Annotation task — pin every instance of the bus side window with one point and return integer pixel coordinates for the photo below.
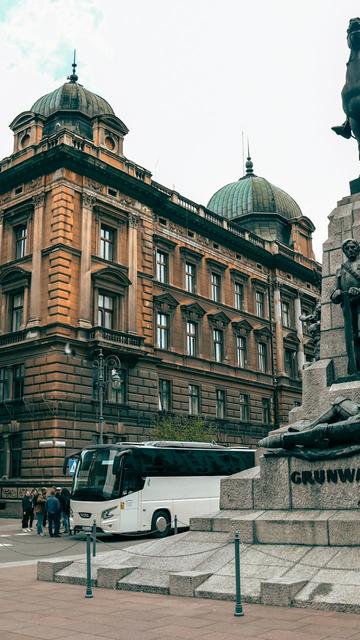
(131, 479)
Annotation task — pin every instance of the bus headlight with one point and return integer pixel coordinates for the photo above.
(108, 513)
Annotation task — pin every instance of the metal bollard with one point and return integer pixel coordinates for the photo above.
(238, 606)
(175, 526)
(94, 539)
(89, 592)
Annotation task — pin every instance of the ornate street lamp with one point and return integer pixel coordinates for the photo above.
(102, 365)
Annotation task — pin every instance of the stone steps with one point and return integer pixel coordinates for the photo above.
(299, 526)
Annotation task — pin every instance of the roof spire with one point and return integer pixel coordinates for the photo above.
(74, 77)
(249, 164)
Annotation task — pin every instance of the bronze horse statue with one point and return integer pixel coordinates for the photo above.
(351, 91)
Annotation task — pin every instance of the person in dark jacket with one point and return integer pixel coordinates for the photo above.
(27, 509)
(65, 495)
(53, 510)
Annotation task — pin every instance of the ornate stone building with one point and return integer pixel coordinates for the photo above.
(200, 304)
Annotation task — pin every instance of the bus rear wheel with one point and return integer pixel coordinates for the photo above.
(160, 524)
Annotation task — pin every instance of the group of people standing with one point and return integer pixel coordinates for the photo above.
(49, 507)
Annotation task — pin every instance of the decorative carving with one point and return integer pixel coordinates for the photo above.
(94, 185)
(192, 311)
(87, 200)
(33, 184)
(347, 293)
(218, 320)
(133, 220)
(165, 303)
(314, 324)
(39, 199)
(241, 327)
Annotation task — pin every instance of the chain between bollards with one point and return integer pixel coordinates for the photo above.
(238, 606)
(94, 539)
(88, 593)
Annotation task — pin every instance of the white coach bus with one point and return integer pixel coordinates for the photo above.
(129, 488)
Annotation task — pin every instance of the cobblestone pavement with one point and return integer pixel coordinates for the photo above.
(30, 610)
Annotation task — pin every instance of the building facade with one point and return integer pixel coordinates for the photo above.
(200, 305)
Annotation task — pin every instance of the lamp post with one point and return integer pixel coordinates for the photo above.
(101, 366)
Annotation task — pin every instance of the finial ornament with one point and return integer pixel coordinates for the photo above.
(74, 77)
(249, 166)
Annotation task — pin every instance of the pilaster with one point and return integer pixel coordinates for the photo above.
(132, 262)
(87, 203)
(35, 292)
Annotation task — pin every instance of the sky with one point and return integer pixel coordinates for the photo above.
(191, 79)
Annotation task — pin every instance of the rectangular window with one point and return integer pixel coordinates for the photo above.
(107, 242)
(244, 407)
(239, 296)
(15, 455)
(285, 313)
(290, 357)
(18, 381)
(17, 310)
(220, 403)
(260, 303)
(218, 341)
(241, 355)
(190, 277)
(266, 410)
(262, 356)
(20, 241)
(164, 395)
(106, 311)
(115, 385)
(215, 286)
(162, 266)
(4, 384)
(194, 399)
(191, 338)
(162, 330)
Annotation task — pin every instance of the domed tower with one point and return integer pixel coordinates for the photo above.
(266, 210)
(74, 108)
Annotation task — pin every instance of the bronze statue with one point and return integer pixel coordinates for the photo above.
(314, 319)
(351, 90)
(339, 425)
(347, 293)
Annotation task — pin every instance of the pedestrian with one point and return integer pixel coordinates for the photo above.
(39, 510)
(65, 495)
(26, 508)
(53, 511)
(33, 497)
(58, 495)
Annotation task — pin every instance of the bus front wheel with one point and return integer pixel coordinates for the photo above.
(160, 524)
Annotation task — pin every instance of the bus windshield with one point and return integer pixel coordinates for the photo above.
(94, 478)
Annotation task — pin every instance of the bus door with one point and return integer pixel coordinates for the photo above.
(130, 496)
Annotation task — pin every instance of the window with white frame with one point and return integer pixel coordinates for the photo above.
(241, 351)
(218, 345)
(20, 241)
(285, 313)
(190, 277)
(262, 356)
(215, 286)
(220, 403)
(260, 303)
(290, 362)
(162, 266)
(239, 296)
(194, 399)
(106, 310)
(16, 310)
(191, 338)
(162, 330)
(107, 242)
(266, 410)
(244, 407)
(164, 395)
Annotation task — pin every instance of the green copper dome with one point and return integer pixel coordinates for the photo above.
(72, 97)
(252, 194)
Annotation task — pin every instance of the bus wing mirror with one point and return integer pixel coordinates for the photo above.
(72, 456)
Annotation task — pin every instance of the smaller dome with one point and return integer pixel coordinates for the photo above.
(253, 194)
(72, 96)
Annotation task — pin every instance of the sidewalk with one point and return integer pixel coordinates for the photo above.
(30, 610)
